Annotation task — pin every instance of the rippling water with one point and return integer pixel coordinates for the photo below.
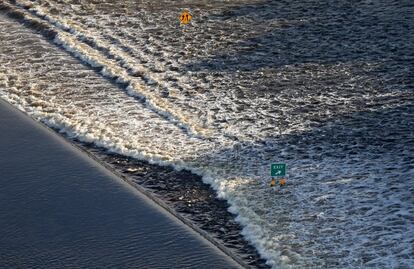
(59, 209)
(325, 86)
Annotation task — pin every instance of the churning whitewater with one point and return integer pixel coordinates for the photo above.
(321, 86)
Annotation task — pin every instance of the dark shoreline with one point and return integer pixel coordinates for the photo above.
(61, 209)
(199, 207)
(183, 192)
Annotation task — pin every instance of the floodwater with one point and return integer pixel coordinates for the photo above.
(59, 209)
(323, 86)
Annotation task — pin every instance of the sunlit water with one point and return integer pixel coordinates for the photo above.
(324, 86)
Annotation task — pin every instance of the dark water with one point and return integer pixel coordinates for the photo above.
(58, 209)
(182, 191)
(185, 193)
(325, 86)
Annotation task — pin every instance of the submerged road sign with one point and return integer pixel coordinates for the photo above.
(278, 170)
(185, 17)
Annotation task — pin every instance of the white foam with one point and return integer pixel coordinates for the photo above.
(330, 208)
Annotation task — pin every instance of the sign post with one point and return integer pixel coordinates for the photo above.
(278, 170)
(185, 17)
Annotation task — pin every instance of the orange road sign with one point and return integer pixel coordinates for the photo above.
(185, 17)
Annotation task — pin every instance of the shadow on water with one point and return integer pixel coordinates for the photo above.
(373, 150)
(280, 33)
(370, 133)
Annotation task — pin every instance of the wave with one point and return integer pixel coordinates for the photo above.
(335, 210)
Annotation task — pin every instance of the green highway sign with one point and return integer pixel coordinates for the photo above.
(278, 170)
